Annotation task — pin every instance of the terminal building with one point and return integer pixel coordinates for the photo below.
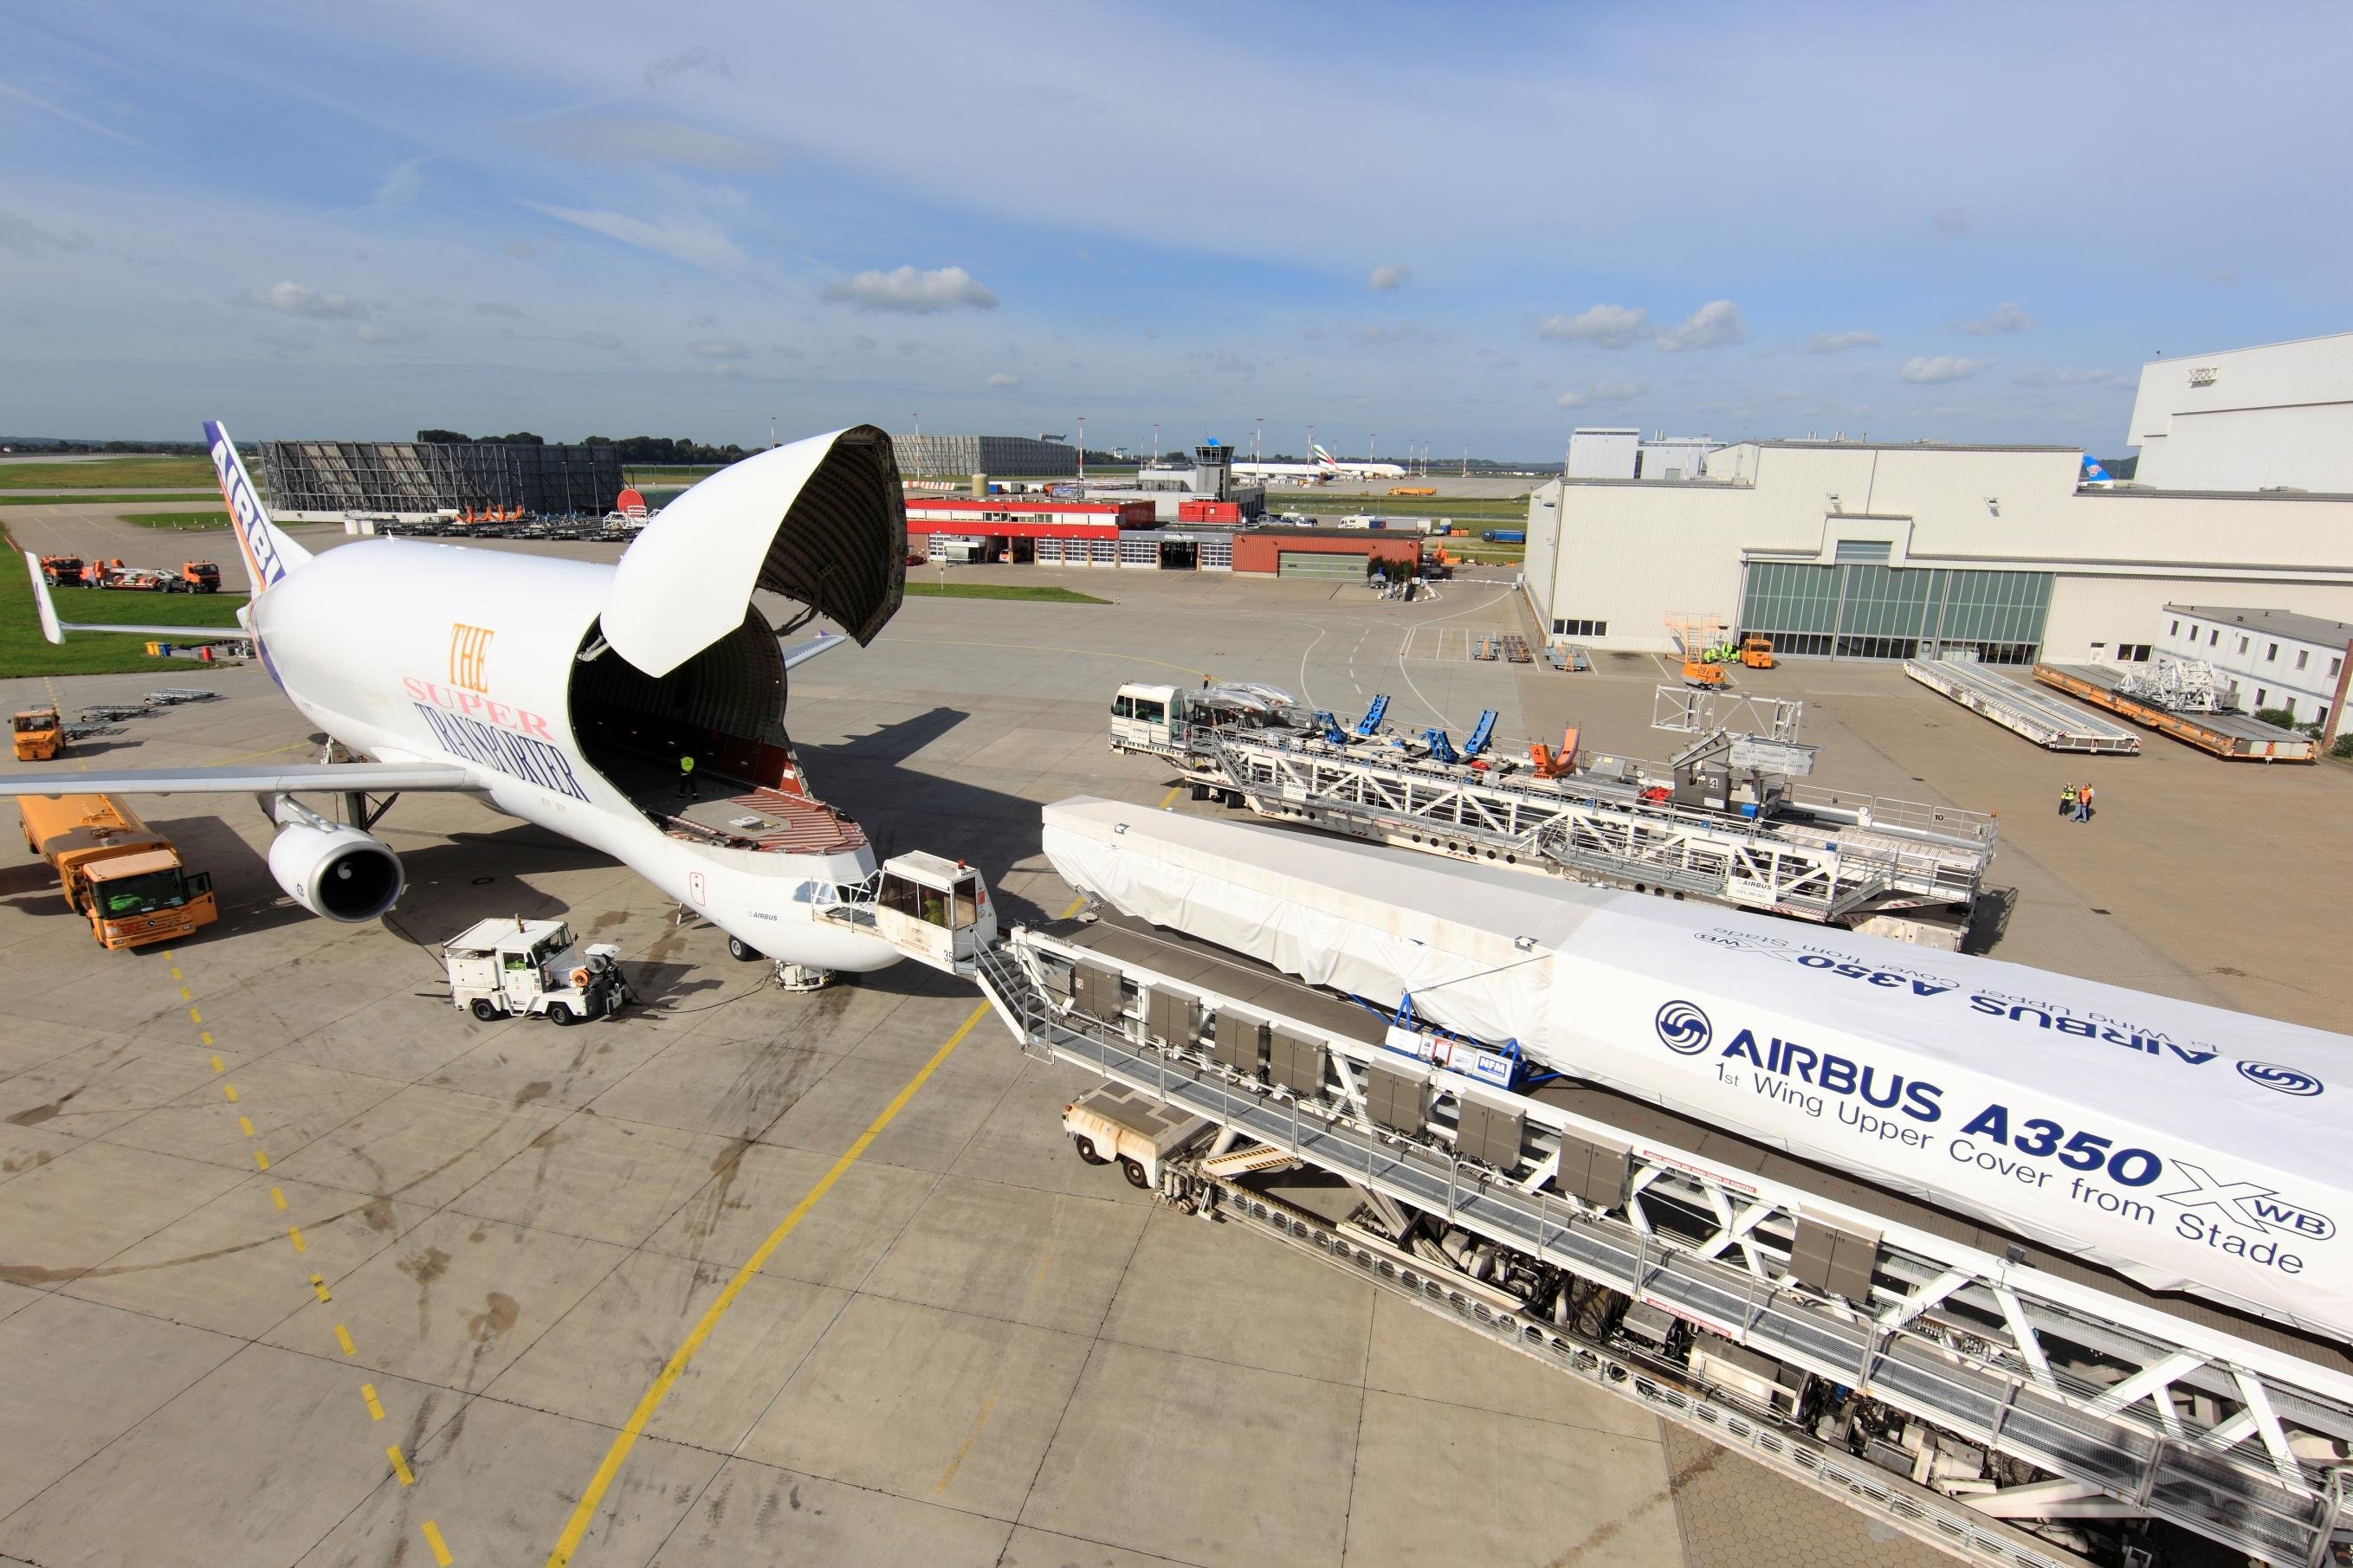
(1030, 457)
(2265, 659)
(2005, 555)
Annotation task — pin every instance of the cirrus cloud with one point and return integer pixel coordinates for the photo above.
(1838, 343)
(911, 291)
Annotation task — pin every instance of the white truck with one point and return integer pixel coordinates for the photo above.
(535, 969)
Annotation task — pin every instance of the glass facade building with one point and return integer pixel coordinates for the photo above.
(1861, 610)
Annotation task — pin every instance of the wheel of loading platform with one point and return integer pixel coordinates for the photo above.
(1086, 1147)
(562, 1016)
(743, 951)
(484, 1010)
(1133, 1170)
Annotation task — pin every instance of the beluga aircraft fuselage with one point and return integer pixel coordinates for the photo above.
(570, 693)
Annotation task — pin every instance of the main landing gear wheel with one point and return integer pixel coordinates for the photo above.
(484, 1010)
(1087, 1150)
(1134, 1171)
(743, 951)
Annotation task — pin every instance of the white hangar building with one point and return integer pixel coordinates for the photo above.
(1887, 550)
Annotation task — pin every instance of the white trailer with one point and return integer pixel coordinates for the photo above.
(534, 968)
(2042, 718)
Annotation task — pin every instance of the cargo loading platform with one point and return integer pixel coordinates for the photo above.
(2043, 719)
(2234, 737)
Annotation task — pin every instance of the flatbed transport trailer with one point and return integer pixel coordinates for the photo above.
(2232, 736)
(1959, 1377)
(2043, 719)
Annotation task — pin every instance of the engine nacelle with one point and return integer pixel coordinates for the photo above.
(336, 871)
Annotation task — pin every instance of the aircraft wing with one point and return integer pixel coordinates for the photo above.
(371, 778)
(802, 652)
(54, 630)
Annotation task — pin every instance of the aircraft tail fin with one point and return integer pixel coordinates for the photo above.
(1324, 458)
(268, 554)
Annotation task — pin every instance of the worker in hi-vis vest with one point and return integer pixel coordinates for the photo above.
(685, 778)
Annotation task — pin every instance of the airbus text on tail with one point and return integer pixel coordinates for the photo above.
(268, 555)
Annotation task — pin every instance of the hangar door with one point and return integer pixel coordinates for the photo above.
(1328, 564)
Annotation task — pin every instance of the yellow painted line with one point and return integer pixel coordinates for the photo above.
(399, 1465)
(627, 1438)
(319, 1288)
(229, 1089)
(277, 1197)
(1076, 905)
(245, 1125)
(216, 1061)
(260, 1160)
(175, 970)
(184, 989)
(195, 1016)
(207, 1037)
(376, 1409)
(1170, 795)
(343, 1338)
(969, 1439)
(294, 1234)
(433, 1539)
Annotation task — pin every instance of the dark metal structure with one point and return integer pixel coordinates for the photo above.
(416, 478)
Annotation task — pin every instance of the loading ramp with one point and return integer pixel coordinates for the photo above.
(2040, 716)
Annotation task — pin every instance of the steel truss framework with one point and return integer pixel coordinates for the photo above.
(418, 477)
(2128, 1410)
(1836, 875)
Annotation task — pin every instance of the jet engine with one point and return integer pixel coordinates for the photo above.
(335, 872)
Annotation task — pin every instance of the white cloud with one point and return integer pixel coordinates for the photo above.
(622, 138)
(1389, 276)
(1002, 380)
(1602, 392)
(912, 293)
(26, 237)
(1712, 326)
(1924, 371)
(1606, 326)
(300, 299)
(1838, 343)
(2002, 318)
(697, 244)
(717, 348)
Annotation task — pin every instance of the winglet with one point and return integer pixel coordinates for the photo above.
(49, 627)
(268, 555)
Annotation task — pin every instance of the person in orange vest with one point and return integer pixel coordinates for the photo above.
(2084, 803)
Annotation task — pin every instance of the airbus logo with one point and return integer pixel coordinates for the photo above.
(2251, 1203)
(1684, 1028)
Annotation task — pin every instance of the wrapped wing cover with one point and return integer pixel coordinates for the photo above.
(2187, 1147)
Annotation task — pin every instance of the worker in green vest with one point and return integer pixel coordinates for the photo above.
(685, 778)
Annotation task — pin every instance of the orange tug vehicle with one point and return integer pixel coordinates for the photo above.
(115, 870)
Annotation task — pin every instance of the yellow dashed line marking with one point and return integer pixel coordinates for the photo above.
(207, 1037)
(184, 989)
(593, 1498)
(319, 1288)
(195, 1016)
(229, 1089)
(400, 1466)
(375, 1410)
(260, 1160)
(278, 1198)
(175, 970)
(294, 1234)
(245, 1125)
(216, 1061)
(343, 1338)
(433, 1540)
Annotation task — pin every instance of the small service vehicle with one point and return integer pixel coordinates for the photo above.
(534, 969)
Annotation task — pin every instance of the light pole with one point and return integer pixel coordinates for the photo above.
(1082, 450)
(1257, 441)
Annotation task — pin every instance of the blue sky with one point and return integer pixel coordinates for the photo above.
(1476, 227)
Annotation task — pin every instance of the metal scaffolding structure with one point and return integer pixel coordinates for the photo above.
(417, 478)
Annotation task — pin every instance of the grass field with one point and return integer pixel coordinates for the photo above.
(106, 473)
(77, 499)
(1041, 596)
(177, 520)
(24, 651)
(665, 475)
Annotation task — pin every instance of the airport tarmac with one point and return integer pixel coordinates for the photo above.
(970, 1347)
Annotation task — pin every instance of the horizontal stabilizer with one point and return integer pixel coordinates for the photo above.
(371, 778)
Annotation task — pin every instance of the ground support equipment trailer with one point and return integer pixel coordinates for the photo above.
(2234, 737)
(1948, 1373)
(534, 969)
(2043, 719)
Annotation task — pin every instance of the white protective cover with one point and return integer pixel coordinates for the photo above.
(2187, 1147)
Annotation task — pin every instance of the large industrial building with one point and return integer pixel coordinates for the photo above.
(328, 480)
(2248, 419)
(2003, 553)
(1030, 457)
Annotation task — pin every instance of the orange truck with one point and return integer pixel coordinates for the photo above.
(40, 734)
(62, 571)
(115, 870)
(199, 577)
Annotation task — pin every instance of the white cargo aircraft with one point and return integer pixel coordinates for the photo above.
(1325, 467)
(566, 692)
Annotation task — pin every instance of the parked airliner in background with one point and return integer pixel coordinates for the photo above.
(565, 692)
(1325, 467)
